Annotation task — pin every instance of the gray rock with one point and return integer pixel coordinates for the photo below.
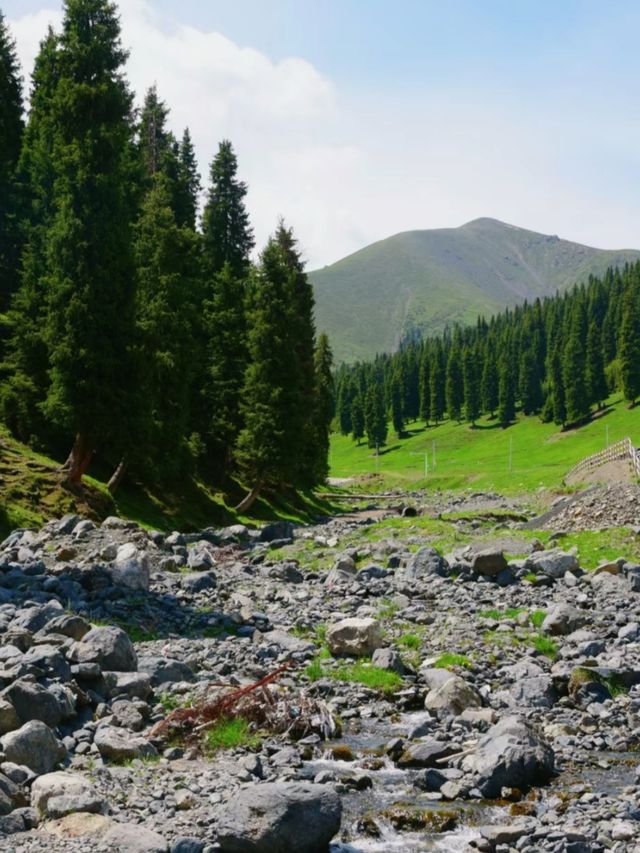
(34, 745)
(164, 670)
(55, 795)
(278, 817)
(32, 701)
(553, 563)
(9, 719)
(454, 696)
(354, 636)
(388, 659)
(562, 619)
(511, 755)
(133, 838)
(121, 745)
(69, 625)
(109, 646)
(198, 581)
(130, 567)
(489, 563)
(425, 754)
(343, 571)
(424, 563)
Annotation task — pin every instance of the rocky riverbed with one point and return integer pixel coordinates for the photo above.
(468, 700)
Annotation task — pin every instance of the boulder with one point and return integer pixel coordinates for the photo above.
(277, 817)
(135, 685)
(562, 619)
(343, 571)
(11, 796)
(354, 636)
(120, 745)
(34, 745)
(55, 795)
(164, 670)
(69, 625)
(423, 564)
(9, 719)
(108, 646)
(130, 567)
(388, 659)
(553, 563)
(198, 581)
(276, 530)
(511, 755)
(133, 838)
(32, 701)
(453, 697)
(489, 563)
(425, 754)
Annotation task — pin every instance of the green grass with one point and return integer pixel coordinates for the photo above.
(314, 670)
(537, 617)
(410, 641)
(479, 458)
(371, 676)
(544, 645)
(450, 659)
(231, 734)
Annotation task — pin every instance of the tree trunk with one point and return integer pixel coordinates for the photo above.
(78, 460)
(117, 476)
(247, 502)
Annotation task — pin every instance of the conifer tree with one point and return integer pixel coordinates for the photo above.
(529, 382)
(556, 387)
(155, 141)
(188, 185)
(344, 406)
(357, 419)
(375, 418)
(324, 407)
(90, 314)
(596, 380)
(227, 234)
(262, 452)
(396, 403)
(574, 372)
(471, 386)
(26, 356)
(489, 382)
(437, 383)
(11, 128)
(425, 387)
(167, 302)
(506, 393)
(454, 387)
(630, 345)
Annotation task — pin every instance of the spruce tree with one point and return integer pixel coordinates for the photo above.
(574, 373)
(226, 243)
(166, 306)
(556, 387)
(630, 345)
(375, 418)
(155, 141)
(357, 419)
(324, 408)
(89, 274)
(344, 404)
(11, 128)
(425, 387)
(506, 393)
(596, 380)
(187, 190)
(227, 234)
(489, 382)
(471, 386)
(529, 382)
(396, 403)
(26, 356)
(454, 387)
(437, 383)
(262, 452)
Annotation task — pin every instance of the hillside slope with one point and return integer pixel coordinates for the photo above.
(425, 280)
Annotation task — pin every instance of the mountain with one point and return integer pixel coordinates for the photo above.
(424, 280)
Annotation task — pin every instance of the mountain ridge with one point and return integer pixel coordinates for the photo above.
(424, 280)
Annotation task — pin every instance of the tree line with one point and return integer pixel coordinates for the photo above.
(132, 328)
(559, 358)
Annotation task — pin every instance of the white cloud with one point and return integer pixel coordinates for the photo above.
(348, 169)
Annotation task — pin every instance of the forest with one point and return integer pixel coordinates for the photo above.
(136, 328)
(558, 358)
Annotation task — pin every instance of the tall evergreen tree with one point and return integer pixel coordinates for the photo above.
(437, 383)
(396, 403)
(489, 382)
(596, 380)
(227, 234)
(453, 386)
(471, 386)
(90, 316)
(11, 128)
(630, 345)
(425, 387)
(529, 382)
(344, 405)
(324, 408)
(374, 416)
(188, 184)
(357, 419)
(506, 393)
(574, 372)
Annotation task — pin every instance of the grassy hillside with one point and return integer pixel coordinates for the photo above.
(30, 494)
(428, 279)
(479, 458)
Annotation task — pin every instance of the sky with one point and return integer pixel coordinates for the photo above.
(358, 119)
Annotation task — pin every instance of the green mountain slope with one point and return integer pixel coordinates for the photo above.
(425, 280)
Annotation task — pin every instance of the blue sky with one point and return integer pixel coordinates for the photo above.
(356, 119)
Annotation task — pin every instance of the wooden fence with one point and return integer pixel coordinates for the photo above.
(624, 449)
